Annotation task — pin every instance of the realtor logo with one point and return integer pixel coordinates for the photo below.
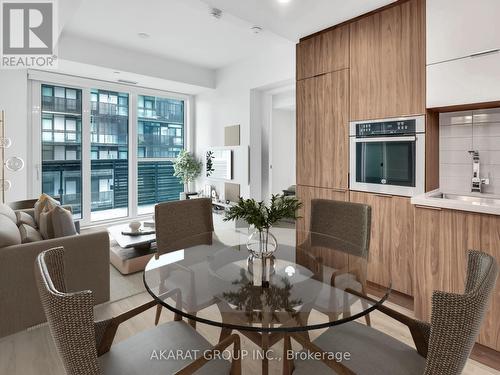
(28, 31)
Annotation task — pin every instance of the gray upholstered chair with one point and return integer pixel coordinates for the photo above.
(182, 224)
(442, 347)
(86, 347)
(345, 227)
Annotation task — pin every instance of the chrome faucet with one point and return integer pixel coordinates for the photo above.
(477, 182)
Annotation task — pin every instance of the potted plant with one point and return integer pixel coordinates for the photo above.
(187, 168)
(261, 242)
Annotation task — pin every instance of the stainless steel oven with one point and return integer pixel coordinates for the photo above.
(388, 156)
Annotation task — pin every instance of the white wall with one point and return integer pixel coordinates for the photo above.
(93, 52)
(283, 153)
(234, 101)
(14, 101)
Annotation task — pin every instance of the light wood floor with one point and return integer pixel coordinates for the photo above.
(33, 352)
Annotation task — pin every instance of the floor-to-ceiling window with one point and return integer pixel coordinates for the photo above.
(96, 137)
(61, 123)
(160, 138)
(109, 154)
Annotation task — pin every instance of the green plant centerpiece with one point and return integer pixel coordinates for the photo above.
(187, 168)
(262, 217)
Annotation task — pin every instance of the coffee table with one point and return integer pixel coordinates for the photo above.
(133, 252)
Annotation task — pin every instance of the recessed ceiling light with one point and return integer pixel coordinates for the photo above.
(256, 29)
(143, 35)
(284, 1)
(116, 72)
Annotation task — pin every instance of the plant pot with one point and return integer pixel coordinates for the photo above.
(262, 244)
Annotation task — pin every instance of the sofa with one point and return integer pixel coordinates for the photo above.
(87, 268)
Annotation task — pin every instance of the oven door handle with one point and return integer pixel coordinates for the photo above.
(411, 138)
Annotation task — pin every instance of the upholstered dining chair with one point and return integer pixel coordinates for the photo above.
(180, 225)
(86, 346)
(345, 227)
(442, 347)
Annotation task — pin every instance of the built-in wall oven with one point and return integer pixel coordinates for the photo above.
(388, 156)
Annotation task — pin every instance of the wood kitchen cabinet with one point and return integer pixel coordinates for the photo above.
(442, 239)
(387, 63)
(323, 53)
(391, 244)
(306, 131)
(322, 131)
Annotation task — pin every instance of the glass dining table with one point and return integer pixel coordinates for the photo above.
(312, 281)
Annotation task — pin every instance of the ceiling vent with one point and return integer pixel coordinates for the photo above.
(127, 82)
(216, 13)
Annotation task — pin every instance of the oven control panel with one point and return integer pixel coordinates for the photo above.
(386, 128)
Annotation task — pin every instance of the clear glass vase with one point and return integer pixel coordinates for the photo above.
(262, 244)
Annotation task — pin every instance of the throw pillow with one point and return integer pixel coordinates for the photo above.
(9, 234)
(45, 225)
(29, 234)
(7, 211)
(25, 218)
(62, 222)
(45, 202)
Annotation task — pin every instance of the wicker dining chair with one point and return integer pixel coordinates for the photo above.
(442, 347)
(86, 347)
(183, 224)
(344, 227)
(180, 225)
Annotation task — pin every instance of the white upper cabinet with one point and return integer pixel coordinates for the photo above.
(459, 32)
(460, 28)
(464, 81)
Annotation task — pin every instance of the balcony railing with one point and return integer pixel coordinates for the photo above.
(176, 116)
(62, 105)
(102, 200)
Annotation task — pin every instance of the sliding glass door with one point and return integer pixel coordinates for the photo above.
(107, 151)
(160, 138)
(61, 123)
(109, 154)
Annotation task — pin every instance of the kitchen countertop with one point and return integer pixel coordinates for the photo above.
(485, 203)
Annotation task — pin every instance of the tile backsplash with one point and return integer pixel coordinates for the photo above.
(463, 131)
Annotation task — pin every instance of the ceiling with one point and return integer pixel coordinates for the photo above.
(179, 29)
(297, 18)
(184, 30)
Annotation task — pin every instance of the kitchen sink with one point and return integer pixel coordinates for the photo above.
(475, 200)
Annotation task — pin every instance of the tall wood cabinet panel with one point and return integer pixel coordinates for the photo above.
(442, 239)
(306, 131)
(323, 53)
(387, 62)
(402, 256)
(490, 243)
(379, 252)
(322, 131)
(332, 134)
(390, 255)
(431, 268)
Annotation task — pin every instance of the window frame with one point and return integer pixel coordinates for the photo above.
(34, 165)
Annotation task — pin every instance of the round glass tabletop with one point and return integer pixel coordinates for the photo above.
(311, 281)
